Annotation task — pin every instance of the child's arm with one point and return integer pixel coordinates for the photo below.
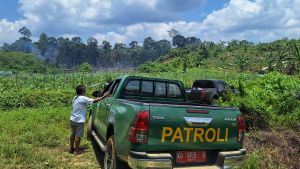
(100, 98)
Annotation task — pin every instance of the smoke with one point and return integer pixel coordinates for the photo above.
(31, 48)
(26, 45)
(50, 55)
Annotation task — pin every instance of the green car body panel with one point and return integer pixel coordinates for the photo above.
(171, 126)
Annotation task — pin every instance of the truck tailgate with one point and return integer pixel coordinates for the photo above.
(184, 127)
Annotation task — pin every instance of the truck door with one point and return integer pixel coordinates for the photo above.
(106, 107)
(98, 112)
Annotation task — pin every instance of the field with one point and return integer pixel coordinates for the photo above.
(38, 138)
(35, 110)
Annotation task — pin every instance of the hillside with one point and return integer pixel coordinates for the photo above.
(242, 56)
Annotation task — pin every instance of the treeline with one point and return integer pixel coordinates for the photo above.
(183, 52)
(70, 53)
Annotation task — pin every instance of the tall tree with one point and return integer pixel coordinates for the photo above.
(25, 32)
(179, 41)
(42, 43)
(133, 44)
(173, 32)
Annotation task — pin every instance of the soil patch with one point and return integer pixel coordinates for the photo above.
(280, 147)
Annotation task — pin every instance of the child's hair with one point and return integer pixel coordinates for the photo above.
(80, 89)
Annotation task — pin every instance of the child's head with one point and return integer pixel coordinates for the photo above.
(80, 90)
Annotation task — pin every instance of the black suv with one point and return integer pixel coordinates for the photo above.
(207, 91)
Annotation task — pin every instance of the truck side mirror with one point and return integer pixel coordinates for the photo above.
(97, 93)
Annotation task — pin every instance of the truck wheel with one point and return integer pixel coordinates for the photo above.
(89, 135)
(110, 159)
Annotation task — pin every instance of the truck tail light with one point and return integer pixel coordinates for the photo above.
(138, 132)
(241, 128)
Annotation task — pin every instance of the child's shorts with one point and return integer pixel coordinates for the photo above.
(77, 129)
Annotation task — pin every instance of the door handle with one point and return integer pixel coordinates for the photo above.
(197, 121)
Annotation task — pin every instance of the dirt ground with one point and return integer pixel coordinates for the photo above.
(280, 147)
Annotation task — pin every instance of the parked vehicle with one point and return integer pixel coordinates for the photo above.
(148, 123)
(208, 91)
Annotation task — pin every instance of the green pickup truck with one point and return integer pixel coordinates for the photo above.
(148, 123)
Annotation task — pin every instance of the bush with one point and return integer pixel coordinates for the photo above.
(85, 67)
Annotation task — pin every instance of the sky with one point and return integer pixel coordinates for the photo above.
(122, 21)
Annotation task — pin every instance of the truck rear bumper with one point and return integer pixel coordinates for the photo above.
(139, 160)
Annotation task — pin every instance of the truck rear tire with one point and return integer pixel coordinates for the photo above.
(110, 158)
(89, 127)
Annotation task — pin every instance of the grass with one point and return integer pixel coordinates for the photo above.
(38, 138)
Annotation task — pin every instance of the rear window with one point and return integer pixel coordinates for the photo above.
(174, 91)
(132, 88)
(221, 86)
(148, 88)
(160, 89)
(204, 84)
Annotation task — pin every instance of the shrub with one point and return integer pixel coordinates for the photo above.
(85, 67)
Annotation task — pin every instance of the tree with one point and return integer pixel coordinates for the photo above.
(242, 60)
(163, 47)
(149, 43)
(179, 41)
(42, 43)
(192, 41)
(119, 46)
(173, 32)
(133, 44)
(92, 51)
(106, 46)
(25, 32)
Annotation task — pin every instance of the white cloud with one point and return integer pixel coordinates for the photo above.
(9, 30)
(128, 20)
(112, 37)
(258, 20)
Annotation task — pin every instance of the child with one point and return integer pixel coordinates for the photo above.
(78, 115)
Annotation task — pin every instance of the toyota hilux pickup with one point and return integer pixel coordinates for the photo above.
(148, 123)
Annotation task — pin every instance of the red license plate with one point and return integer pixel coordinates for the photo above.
(191, 156)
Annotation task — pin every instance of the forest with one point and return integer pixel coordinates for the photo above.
(162, 55)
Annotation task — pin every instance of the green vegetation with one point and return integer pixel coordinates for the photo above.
(272, 100)
(187, 52)
(38, 138)
(33, 91)
(36, 114)
(243, 56)
(85, 67)
(23, 62)
(267, 101)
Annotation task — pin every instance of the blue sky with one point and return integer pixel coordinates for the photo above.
(128, 20)
(9, 10)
